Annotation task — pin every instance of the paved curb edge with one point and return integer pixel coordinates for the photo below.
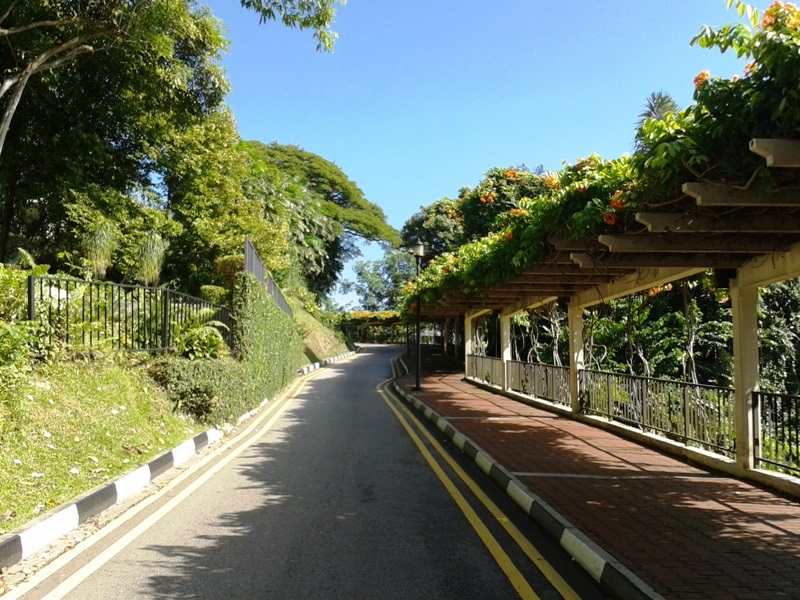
(40, 532)
(17, 546)
(603, 567)
(317, 365)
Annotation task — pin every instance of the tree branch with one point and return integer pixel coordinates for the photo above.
(11, 6)
(48, 60)
(38, 25)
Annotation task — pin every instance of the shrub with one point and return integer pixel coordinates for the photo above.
(215, 293)
(17, 337)
(268, 352)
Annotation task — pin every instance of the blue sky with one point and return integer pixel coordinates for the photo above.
(422, 97)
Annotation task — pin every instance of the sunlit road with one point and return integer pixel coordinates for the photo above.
(333, 496)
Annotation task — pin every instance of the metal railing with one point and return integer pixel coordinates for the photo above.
(777, 431)
(694, 414)
(549, 382)
(88, 315)
(485, 368)
(255, 266)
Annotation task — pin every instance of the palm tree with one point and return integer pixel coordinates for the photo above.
(657, 106)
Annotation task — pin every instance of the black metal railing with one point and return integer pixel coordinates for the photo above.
(254, 265)
(694, 414)
(549, 382)
(777, 431)
(86, 315)
(485, 368)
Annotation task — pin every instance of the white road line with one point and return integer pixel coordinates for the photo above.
(77, 578)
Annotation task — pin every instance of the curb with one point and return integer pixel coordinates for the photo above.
(323, 363)
(46, 529)
(41, 532)
(604, 568)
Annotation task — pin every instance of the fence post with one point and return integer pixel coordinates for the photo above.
(686, 414)
(756, 398)
(31, 299)
(165, 318)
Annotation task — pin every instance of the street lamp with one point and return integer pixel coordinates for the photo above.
(418, 251)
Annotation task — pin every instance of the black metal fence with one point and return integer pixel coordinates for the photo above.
(550, 382)
(88, 315)
(254, 265)
(485, 368)
(695, 414)
(777, 431)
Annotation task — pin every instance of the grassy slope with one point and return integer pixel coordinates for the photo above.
(320, 342)
(83, 424)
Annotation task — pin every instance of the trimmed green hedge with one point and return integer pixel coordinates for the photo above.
(267, 354)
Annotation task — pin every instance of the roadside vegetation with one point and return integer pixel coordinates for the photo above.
(120, 162)
(69, 423)
(492, 232)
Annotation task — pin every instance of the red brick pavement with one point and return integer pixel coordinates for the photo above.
(687, 532)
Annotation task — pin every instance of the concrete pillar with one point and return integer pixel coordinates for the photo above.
(505, 347)
(446, 336)
(575, 324)
(744, 302)
(467, 342)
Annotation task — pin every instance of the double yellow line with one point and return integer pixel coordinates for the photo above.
(518, 581)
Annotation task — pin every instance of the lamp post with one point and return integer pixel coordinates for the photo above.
(418, 251)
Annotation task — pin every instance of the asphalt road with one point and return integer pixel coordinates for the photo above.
(334, 491)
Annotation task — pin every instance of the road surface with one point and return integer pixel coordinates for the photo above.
(335, 490)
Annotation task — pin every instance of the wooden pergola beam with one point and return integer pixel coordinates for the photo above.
(729, 223)
(664, 259)
(565, 245)
(553, 290)
(577, 279)
(710, 194)
(778, 153)
(569, 270)
(708, 244)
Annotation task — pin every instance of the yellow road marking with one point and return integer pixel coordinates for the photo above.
(529, 549)
(512, 573)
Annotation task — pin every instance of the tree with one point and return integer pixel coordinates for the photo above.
(204, 174)
(317, 16)
(500, 191)
(439, 226)
(341, 201)
(288, 199)
(44, 36)
(378, 283)
(94, 124)
(658, 106)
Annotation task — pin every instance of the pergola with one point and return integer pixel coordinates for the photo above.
(750, 238)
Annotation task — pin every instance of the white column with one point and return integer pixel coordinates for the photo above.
(575, 324)
(505, 347)
(467, 342)
(744, 302)
(446, 336)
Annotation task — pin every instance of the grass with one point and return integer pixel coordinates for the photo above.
(320, 342)
(77, 425)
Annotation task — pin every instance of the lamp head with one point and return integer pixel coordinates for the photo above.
(419, 249)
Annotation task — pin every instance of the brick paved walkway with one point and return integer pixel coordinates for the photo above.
(687, 532)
